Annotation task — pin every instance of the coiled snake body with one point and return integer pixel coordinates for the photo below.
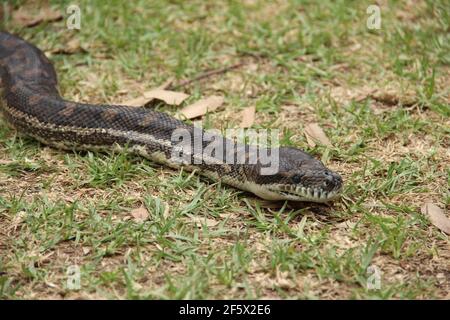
(34, 107)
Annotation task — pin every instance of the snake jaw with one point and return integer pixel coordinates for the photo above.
(296, 193)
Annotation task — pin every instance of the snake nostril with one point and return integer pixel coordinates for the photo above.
(337, 178)
(329, 179)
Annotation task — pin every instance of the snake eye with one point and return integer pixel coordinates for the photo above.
(296, 178)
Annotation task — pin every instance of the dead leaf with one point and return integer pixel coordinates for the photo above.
(73, 46)
(51, 284)
(200, 221)
(18, 220)
(142, 100)
(136, 102)
(163, 86)
(437, 216)
(392, 97)
(248, 117)
(201, 107)
(166, 213)
(140, 214)
(27, 19)
(314, 133)
(282, 280)
(169, 97)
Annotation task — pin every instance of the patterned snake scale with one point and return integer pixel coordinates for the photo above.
(33, 106)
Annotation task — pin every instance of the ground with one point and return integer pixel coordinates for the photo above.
(381, 96)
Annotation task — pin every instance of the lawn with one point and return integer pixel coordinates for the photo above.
(380, 95)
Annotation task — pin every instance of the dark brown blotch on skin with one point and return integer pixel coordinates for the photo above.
(11, 43)
(14, 88)
(15, 68)
(109, 114)
(34, 99)
(68, 109)
(31, 73)
(147, 120)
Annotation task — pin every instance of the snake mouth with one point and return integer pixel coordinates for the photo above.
(300, 193)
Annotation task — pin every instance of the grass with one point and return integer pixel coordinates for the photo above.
(305, 61)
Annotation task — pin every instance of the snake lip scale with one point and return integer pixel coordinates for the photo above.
(311, 194)
(34, 107)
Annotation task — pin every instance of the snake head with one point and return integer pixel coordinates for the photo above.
(300, 177)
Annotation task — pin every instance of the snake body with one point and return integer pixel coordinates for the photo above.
(33, 105)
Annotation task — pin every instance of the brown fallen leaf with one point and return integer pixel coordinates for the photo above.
(314, 133)
(163, 86)
(136, 102)
(139, 214)
(437, 216)
(27, 19)
(17, 220)
(73, 46)
(169, 97)
(201, 107)
(282, 280)
(200, 221)
(142, 101)
(248, 117)
(166, 213)
(392, 97)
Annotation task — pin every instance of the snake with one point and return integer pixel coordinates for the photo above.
(32, 105)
